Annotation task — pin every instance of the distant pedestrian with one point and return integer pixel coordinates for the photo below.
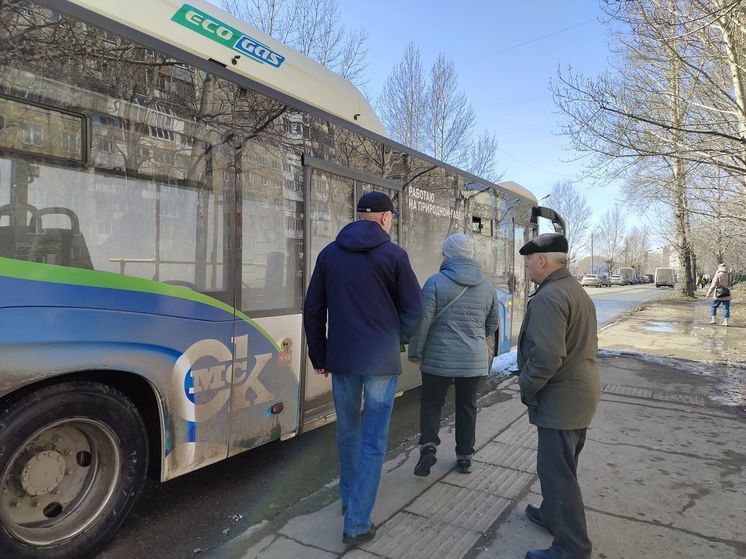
(560, 385)
(461, 311)
(720, 289)
(366, 285)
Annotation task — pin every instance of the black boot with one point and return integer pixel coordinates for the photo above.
(464, 465)
(427, 460)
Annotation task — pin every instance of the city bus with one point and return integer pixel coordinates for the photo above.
(168, 176)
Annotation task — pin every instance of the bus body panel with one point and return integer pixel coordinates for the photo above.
(202, 363)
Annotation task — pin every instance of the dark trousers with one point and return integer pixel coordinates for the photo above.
(562, 508)
(432, 398)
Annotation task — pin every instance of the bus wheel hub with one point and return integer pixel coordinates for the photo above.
(43, 472)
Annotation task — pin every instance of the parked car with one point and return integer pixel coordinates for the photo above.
(649, 278)
(616, 279)
(594, 280)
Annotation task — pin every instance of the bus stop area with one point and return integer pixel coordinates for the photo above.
(663, 470)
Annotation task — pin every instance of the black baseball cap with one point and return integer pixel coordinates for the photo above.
(375, 202)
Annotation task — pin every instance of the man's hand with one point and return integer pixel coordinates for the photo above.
(322, 372)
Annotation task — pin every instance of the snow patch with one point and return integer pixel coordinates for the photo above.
(505, 364)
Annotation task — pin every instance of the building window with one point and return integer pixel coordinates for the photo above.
(70, 142)
(33, 134)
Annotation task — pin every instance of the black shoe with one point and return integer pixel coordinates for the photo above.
(427, 460)
(533, 513)
(360, 539)
(550, 553)
(464, 465)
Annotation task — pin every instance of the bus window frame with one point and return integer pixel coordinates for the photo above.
(85, 129)
(311, 164)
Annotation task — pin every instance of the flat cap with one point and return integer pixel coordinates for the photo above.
(548, 242)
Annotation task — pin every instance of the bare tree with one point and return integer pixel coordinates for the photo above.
(482, 157)
(611, 238)
(674, 109)
(635, 248)
(277, 18)
(403, 102)
(450, 117)
(574, 208)
(312, 27)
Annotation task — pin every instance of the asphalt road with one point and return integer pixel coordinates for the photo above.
(614, 302)
(206, 508)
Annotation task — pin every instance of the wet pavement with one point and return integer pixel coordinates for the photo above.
(678, 328)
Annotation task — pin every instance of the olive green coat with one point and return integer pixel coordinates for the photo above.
(557, 350)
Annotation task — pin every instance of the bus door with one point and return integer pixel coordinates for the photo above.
(331, 192)
(330, 205)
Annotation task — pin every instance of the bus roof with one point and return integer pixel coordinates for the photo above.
(213, 34)
(516, 188)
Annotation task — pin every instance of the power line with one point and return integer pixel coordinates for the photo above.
(534, 166)
(523, 44)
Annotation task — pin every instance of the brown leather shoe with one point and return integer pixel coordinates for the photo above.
(533, 513)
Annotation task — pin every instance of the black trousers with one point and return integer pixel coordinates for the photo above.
(432, 398)
(562, 508)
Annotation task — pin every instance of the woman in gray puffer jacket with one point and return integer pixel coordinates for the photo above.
(461, 310)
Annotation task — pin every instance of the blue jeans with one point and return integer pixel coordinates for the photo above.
(361, 442)
(716, 304)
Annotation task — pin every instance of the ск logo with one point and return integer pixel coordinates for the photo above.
(222, 33)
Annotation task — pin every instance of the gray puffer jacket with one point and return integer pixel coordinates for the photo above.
(455, 345)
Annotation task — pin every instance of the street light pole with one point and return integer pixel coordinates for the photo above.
(591, 251)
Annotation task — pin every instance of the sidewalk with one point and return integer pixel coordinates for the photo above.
(662, 472)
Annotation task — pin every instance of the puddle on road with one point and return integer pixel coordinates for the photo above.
(658, 326)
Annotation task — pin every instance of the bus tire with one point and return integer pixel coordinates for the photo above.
(73, 460)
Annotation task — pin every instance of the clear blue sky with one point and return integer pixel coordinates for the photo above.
(506, 54)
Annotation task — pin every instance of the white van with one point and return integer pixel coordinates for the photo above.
(664, 276)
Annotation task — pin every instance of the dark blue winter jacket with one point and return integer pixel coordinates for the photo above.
(366, 326)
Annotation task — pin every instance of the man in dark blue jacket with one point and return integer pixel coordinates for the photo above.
(374, 302)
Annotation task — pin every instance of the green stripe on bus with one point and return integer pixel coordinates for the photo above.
(52, 273)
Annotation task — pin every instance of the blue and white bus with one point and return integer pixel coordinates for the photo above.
(167, 177)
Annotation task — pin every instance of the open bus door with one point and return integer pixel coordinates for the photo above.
(555, 219)
(331, 192)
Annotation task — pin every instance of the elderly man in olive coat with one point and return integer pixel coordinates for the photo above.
(560, 386)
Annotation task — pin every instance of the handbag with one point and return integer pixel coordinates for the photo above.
(722, 291)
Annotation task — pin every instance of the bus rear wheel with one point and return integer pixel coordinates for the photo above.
(73, 459)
